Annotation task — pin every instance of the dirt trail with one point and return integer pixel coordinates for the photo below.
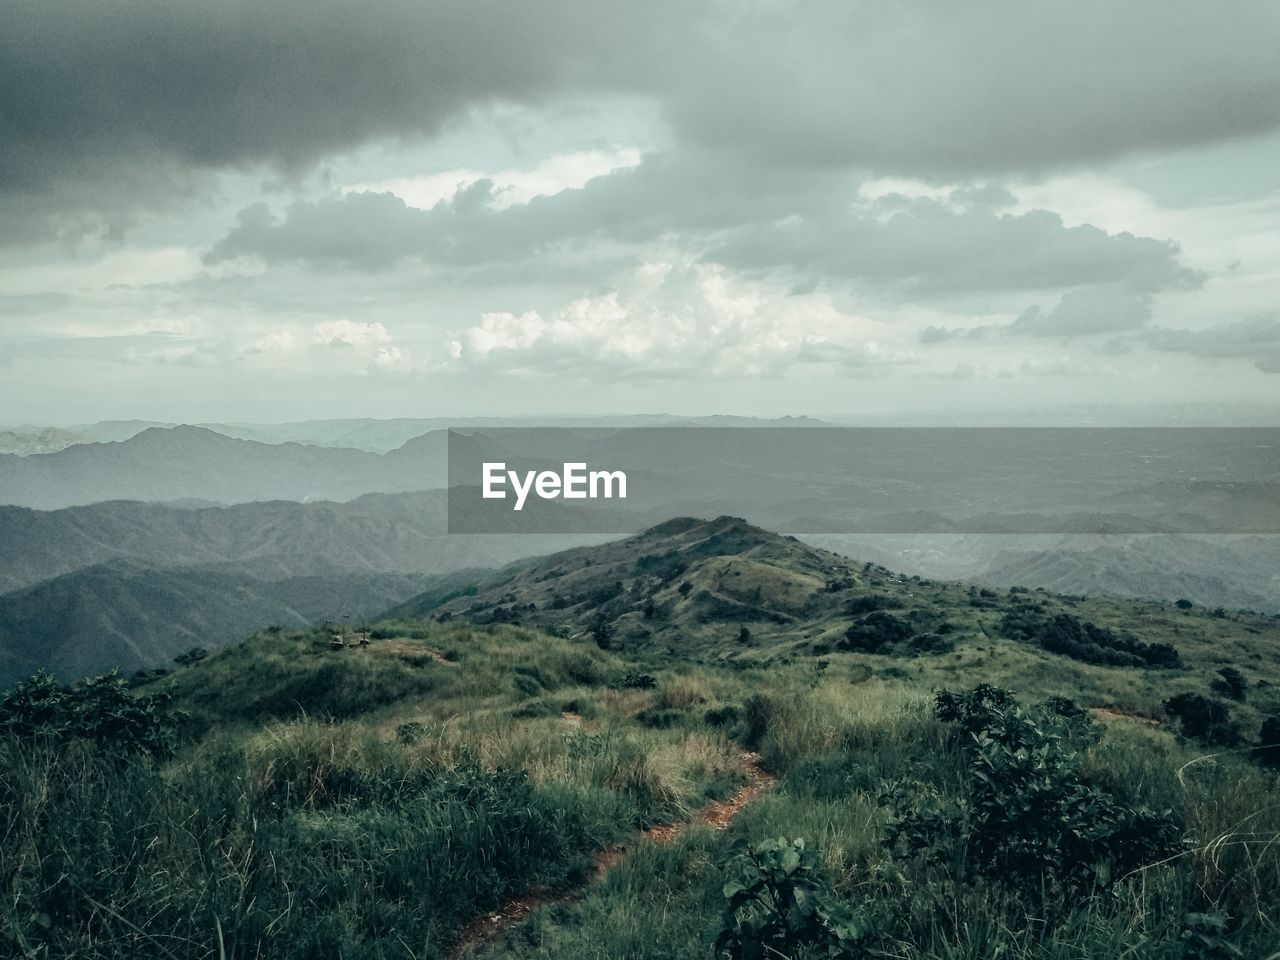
(717, 814)
(1110, 715)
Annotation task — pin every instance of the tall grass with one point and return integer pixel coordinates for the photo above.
(368, 803)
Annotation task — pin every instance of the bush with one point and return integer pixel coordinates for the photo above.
(869, 603)
(778, 905)
(1204, 937)
(725, 716)
(933, 643)
(1027, 816)
(1268, 750)
(636, 681)
(194, 655)
(1087, 642)
(1231, 684)
(1203, 719)
(874, 632)
(100, 709)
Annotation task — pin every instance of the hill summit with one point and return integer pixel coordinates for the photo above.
(685, 586)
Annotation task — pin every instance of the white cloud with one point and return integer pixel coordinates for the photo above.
(674, 321)
(389, 360)
(275, 343)
(348, 333)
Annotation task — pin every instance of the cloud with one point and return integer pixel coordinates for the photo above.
(1256, 339)
(565, 171)
(926, 246)
(1081, 312)
(945, 90)
(363, 231)
(918, 246)
(683, 321)
(1086, 311)
(141, 97)
(348, 333)
(663, 195)
(26, 304)
(214, 84)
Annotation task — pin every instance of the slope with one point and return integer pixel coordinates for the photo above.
(128, 616)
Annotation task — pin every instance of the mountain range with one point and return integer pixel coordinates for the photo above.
(104, 559)
(128, 616)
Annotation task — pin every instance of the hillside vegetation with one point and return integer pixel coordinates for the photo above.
(959, 773)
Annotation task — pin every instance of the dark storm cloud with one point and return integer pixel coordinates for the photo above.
(936, 88)
(116, 94)
(224, 82)
(945, 89)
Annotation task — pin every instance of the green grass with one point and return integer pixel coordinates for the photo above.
(368, 802)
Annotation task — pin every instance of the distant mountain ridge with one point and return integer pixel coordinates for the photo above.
(185, 462)
(142, 461)
(376, 533)
(129, 616)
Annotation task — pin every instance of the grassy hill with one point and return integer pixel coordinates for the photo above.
(690, 588)
(596, 782)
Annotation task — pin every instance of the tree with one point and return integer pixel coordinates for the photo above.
(1204, 719)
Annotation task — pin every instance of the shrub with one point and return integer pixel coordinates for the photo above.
(411, 732)
(602, 634)
(100, 709)
(931, 643)
(725, 716)
(1268, 750)
(869, 603)
(1204, 937)
(636, 681)
(1203, 719)
(758, 712)
(875, 631)
(525, 685)
(1084, 641)
(779, 905)
(1026, 815)
(194, 655)
(1231, 684)
(660, 718)
(1182, 603)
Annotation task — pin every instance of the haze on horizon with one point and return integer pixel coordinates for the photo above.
(286, 211)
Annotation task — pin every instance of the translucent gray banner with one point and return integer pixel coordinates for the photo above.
(868, 480)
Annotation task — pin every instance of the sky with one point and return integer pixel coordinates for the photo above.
(266, 211)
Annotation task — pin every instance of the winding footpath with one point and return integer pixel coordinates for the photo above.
(717, 814)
